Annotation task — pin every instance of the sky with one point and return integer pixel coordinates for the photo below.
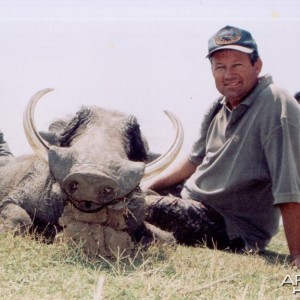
(136, 56)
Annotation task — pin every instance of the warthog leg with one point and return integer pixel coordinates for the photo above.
(190, 221)
(14, 218)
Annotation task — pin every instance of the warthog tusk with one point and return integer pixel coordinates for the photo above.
(161, 163)
(39, 146)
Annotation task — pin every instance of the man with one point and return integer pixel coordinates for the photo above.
(244, 168)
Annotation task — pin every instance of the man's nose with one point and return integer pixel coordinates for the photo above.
(229, 72)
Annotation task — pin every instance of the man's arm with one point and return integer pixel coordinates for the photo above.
(181, 172)
(291, 221)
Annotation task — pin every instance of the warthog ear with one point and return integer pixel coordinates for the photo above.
(49, 137)
(62, 130)
(134, 145)
(55, 129)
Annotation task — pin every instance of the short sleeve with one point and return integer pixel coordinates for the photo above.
(282, 150)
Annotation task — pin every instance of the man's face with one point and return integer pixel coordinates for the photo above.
(234, 74)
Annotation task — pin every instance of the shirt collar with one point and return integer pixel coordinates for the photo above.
(263, 82)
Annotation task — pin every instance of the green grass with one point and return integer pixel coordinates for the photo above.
(31, 269)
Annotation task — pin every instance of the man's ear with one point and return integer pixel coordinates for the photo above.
(258, 66)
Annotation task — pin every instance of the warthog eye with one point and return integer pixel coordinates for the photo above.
(73, 186)
(88, 204)
(107, 191)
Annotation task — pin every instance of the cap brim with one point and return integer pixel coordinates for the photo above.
(231, 47)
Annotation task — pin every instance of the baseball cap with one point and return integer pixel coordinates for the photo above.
(233, 38)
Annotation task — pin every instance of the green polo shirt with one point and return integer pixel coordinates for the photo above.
(249, 162)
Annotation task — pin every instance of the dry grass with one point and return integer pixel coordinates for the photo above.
(31, 269)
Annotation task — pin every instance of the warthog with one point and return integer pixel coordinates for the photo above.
(84, 178)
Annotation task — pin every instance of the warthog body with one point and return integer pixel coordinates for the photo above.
(88, 183)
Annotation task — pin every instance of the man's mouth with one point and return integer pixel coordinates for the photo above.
(232, 84)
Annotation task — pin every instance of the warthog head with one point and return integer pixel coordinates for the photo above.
(97, 157)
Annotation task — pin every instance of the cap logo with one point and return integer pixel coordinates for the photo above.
(228, 36)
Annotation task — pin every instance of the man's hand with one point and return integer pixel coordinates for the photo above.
(296, 260)
(291, 221)
(183, 170)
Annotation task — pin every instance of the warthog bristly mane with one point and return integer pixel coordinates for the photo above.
(133, 142)
(82, 117)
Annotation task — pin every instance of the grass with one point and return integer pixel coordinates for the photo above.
(31, 269)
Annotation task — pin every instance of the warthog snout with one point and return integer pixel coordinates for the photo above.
(98, 187)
